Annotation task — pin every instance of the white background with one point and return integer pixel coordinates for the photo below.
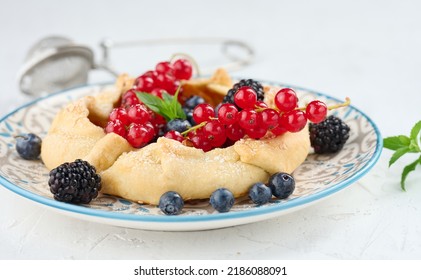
(367, 50)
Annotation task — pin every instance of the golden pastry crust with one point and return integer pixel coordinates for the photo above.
(145, 174)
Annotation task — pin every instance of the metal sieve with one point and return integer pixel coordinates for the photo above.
(56, 63)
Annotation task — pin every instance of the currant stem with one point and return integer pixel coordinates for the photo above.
(332, 107)
(202, 124)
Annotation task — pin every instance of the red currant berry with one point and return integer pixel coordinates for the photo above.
(294, 120)
(166, 81)
(116, 127)
(138, 114)
(245, 97)
(119, 114)
(286, 100)
(129, 98)
(200, 142)
(260, 104)
(227, 113)
(158, 122)
(279, 129)
(139, 135)
(248, 119)
(144, 84)
(175, 135)
(234, 132)
(203, 112)
(183, 69)
(151, 74)
(256, 133)
(316, 111)
(268, 119)
(164, 67)
(214, 131)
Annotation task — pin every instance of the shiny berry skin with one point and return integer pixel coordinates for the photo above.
(151, 74)
(227, 113)
(116, 127)
(281, 184)
(171, 203)
(234, 132)
(268, 119)
(129, 98)
(256, 132)
(28, 146)
(138, 135)
(279, 130)
(182, 69)
(222, 200)
(260, 104)
(144, 84)
(203, 112)
(119, 114)
(245, 97)
(248, 119)
(214, 131)
(175, 135)
(179, 125)
(260, 194)
(286, 100)
(164, 67)
(138, 114)
(294, 120)
(166, 81)
(199, 141)
(316, 111)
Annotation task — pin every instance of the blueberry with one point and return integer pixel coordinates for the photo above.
(179, 125)
(222, 200)
(171, 203)
(28, 146)
(189, 116)
(260, 194)
(194, 101)
(281, 184)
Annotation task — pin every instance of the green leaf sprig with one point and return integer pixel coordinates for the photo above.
(402, 145)
(168, 106)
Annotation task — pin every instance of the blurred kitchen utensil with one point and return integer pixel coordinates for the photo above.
(56, 63)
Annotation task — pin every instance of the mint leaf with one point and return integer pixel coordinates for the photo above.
(396, 142)
(415, 130)
(409, 168)
(399, 152)
(168, 106)
(402, 144)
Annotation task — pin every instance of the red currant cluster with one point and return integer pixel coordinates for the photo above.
(248, 116)
(135, 121)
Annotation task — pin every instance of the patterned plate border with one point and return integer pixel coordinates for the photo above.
(318, 177)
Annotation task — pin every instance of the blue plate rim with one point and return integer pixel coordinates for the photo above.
(257, 211)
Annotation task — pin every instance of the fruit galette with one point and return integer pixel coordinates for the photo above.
(165, 138)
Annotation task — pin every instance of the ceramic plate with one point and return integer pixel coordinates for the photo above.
(318, 177)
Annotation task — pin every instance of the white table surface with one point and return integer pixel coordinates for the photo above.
(368, 50)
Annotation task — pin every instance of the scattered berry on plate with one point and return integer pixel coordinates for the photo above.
(74, 182)
(260, 193)
(222, 200)
(281, 184)
(28, 146)
(171, 203)
(329, 136)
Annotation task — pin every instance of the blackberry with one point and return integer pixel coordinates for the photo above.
(75, 182)
(255, 85)
(329, 136)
